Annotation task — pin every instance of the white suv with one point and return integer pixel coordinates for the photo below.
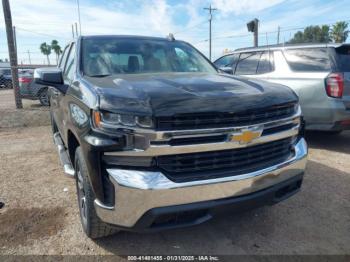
(318, 73)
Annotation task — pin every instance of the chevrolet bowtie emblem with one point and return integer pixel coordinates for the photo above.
(246, 136)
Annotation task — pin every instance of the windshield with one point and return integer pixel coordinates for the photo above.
(108, 56)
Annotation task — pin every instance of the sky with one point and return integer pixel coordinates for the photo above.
(44, 20)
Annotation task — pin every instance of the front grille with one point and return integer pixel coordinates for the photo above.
(218, 120)
(207, 165)
(192, 140)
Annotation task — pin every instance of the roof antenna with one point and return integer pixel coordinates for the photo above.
(170, 37)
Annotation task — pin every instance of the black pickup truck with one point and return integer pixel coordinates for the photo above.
(157, 138)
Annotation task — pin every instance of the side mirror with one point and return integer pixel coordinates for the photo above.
(227, 70)
(50, 76)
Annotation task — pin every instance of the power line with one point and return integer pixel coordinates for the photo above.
(191, 27)
(31, 22)
(39, 33)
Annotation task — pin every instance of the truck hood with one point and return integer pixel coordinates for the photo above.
(167, 94)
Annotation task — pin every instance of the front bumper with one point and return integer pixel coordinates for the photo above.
(138, 192)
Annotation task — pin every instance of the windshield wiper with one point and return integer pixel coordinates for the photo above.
(101, 75)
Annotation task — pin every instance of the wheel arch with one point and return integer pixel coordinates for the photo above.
(72, 144)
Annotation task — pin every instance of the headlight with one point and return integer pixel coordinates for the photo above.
(112, 120)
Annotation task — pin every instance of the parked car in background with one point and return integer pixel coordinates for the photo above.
(318, 73)
(31, 90)
(5, 78)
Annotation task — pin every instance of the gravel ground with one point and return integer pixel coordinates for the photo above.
(33, 114)
(41, 215)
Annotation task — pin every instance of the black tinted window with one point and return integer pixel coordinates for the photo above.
(343, 58)
(265, 65)
(308, 59)
(248, 63)
(225, 61)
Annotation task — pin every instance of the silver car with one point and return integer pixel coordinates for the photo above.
(318, 73)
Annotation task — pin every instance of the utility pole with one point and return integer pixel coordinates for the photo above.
(73, 30)
(30, 61)
(76, 29)
(210, 9)
(14, 37)
(79, 17)
(12, 52)
(278, 34)
(253, 26)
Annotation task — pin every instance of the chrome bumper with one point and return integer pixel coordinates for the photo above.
(136, 192)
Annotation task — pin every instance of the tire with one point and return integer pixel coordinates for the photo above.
(43, 97)
(93, 226)
(8, 85)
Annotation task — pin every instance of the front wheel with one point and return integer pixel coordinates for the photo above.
(93, 226)
(43, 98)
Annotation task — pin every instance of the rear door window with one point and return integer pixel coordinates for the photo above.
(248, 63)
(343, 58)
(265, 65)
(308, 59)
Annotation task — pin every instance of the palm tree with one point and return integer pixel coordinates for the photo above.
(57, 49)
(46, 50)
(339, 32)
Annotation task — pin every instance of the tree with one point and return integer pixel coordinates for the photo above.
(339, 32)
(46, 50)
(298, 38)
(57, 49)
(312, 34)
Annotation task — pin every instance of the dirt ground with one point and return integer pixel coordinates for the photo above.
(33, 115)
(40, 215)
